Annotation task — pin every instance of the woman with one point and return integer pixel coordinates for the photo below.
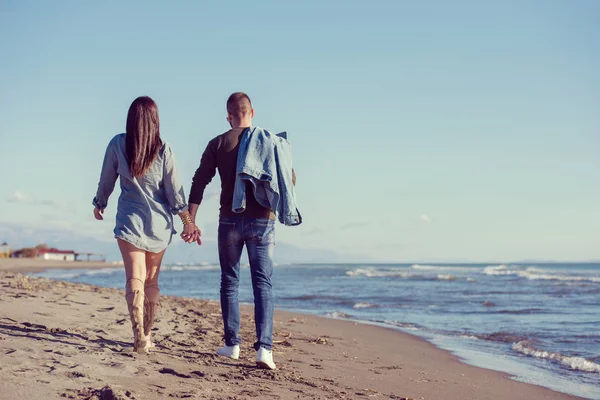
(150, 195)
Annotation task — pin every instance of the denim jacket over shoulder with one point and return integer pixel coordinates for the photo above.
(265, 159)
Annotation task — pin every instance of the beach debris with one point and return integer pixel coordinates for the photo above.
(75, 374)
(173, 372)
(30, 325)
(106, 393)
(283, 343)
(322, 340)
(391, 367)
(368, 393)
(183, 395)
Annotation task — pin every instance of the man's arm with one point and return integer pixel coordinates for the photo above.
(193, 208)
(204, 174)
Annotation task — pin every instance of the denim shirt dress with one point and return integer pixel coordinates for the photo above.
(147, 204)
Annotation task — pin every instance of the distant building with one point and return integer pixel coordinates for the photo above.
(43, 252)
(56, 255)
(4, 250)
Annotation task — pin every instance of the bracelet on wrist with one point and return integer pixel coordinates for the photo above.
(186, 218)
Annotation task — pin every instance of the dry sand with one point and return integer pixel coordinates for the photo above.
(64, 340)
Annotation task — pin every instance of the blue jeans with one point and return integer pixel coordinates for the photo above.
(259, 237)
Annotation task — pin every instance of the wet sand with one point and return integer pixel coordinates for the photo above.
(64, 340)
(28, 265)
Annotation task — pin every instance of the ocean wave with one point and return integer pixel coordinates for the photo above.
(574, 363)
(338, 315)
(534, 273)
(420, 267)
(102, 271)
(73, 274)
(521, 311)
(403, 325)
(206, 267)
(499, 270)
(59, 275)
(377, 273)
(317, 297)
(372, 272)
(365, 305)
(503, 337)
(443, 277)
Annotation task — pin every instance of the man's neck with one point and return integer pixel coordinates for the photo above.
(242, 124)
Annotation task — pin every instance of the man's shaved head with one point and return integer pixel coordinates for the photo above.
(238, 104)
(239, 110)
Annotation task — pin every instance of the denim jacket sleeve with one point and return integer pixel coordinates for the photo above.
(172, 184)
(108, 176)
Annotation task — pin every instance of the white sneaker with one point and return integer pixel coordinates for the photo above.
(264, 359)
(229, 351)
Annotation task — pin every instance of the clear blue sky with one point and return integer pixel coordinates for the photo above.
(436, 130)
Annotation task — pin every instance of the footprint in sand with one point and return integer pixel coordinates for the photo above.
(184, 395)
(75, 374)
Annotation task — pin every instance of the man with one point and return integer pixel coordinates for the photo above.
(254, 227)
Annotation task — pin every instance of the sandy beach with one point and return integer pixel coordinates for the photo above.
(65, 340)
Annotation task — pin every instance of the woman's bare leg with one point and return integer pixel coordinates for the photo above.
(134, 261)
(152, 292)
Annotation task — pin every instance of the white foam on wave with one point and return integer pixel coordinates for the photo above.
(499, 270)
(364, 305)
(102, 271)
(72, 274)
(338, 315)
(575, 363)
(404, 325)
(420, 267)
(446, 277)
(534, 273)
(57, 275)
(372, 272)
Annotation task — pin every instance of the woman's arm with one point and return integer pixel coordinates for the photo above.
(176, 198)
(106, 185)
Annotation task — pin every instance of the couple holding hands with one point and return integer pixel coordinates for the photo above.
(257, 187)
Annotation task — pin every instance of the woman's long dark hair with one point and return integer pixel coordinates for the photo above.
(143, 135)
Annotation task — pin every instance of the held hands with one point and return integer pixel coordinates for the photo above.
(191, 233)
